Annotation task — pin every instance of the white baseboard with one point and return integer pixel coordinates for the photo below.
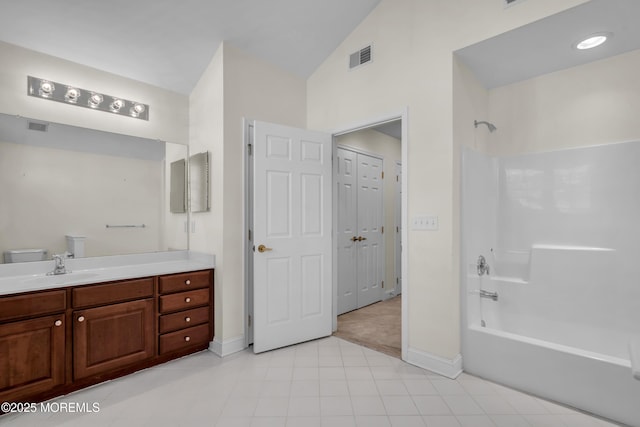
(227, 347)
(445, 367)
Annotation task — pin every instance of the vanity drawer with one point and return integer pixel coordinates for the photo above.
(33, 304)
(184, 282)
(110, 293)
(183, 319)
(183, 300)
(184, 338)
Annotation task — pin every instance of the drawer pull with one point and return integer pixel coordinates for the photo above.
(187, 339)
(58, 323)
(81, 319)
(187, 299)
(187, 319)
(187, 282)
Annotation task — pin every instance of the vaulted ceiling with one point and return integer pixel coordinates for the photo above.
(169, 43)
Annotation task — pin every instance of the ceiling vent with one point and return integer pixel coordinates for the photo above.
(360, 57)
(40, 127)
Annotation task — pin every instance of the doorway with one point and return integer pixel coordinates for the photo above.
(249, 259)
(367, 187)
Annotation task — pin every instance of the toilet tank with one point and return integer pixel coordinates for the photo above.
(25, 255)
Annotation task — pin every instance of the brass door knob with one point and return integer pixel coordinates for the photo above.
(354, 239)
(360, 239)
(263, 248)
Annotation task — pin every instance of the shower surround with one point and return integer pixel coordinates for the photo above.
(560, 232)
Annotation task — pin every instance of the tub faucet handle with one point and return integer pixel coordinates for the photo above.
(482, 266)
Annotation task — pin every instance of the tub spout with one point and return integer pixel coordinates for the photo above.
(489, 295)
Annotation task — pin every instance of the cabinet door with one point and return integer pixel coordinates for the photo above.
(32, 357)
(111, 337)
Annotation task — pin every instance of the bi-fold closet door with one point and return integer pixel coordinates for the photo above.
(360, 227)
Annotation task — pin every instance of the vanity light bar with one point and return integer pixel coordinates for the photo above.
(60, 92)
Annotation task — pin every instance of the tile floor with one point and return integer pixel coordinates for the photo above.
(329, 382)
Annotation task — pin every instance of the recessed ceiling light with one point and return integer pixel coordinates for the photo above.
(592, 41)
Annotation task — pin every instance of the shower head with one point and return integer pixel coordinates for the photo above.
(489, 125)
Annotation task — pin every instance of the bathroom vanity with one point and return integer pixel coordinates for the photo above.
(96, 324)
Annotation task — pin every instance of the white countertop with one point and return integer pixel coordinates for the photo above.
(32, 276)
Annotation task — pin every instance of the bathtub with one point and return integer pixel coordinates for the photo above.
(542, 337)
(596, 383)
(559, 230)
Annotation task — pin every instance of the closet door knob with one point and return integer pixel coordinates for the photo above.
(81, 319)
(58, 322)
(354, 239)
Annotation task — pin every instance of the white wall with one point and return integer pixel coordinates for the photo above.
(592, 104)
(374, 142)
(235, 86)
(413, 43)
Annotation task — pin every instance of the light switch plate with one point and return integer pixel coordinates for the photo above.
(425, 222)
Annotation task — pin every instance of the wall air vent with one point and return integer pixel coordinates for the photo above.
(360, 57)
(40, 127)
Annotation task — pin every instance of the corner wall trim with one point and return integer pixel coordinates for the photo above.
(227, 347)
(446, 367)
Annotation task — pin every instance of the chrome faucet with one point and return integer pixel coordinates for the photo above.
(483, 267)
(59, 268)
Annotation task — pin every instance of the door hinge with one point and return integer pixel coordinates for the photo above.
(397, 281)
(382, 174)
(397, 229)
(382, 229)
(383, 283)
(249, 146)
(397, 178)
(249, 235)
(249, 320)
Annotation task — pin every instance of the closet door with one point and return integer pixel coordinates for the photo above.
(346, 182)
(369, 247)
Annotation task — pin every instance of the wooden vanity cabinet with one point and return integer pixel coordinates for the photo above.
(32, 344)
(185, 307)
(114, 334)
(57, 341)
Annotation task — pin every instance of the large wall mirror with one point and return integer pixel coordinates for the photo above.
(113, 190)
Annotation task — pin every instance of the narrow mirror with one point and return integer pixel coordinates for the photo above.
(178, 193)
(199, 182)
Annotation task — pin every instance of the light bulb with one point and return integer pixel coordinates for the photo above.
(46, 88)
(136, 110)
(95, 99)
(72, 95)
(116, 105)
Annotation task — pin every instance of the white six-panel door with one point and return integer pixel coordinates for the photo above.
(360, 244)
(347, 188)
(370, 221)
(292, 236)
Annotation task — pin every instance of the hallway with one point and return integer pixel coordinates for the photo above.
(377, 326)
